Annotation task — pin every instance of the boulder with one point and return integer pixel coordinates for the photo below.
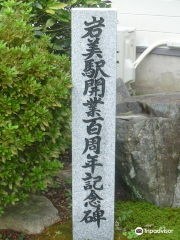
(39, 214)
(148, 147)
(32, 219)
(121, 91)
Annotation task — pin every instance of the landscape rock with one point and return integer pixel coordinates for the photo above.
(121, 90)
(32, 219)
(65, 174)
(148, 147)
(39, 214)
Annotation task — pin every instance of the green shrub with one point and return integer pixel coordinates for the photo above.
(34, 106)
(53, 17)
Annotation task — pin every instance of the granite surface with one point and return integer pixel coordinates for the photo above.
(147, 147)
(121, 91)
(93, 122)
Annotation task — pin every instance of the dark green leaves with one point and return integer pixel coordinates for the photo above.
(34, 97)
(50, 22)
(38, 5)
(54, 18)
(56, 5)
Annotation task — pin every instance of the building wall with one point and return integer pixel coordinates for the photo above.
(157, 74)
(154, 20)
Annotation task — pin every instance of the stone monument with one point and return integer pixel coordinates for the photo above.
(93, 122)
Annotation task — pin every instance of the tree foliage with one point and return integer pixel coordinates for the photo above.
(35, 88)
(54, 19)
(34, 105)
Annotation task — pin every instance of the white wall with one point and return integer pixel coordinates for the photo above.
(153, 19)
(157, 74)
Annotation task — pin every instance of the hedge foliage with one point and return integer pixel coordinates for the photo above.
(53, 18)
(35, 88)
